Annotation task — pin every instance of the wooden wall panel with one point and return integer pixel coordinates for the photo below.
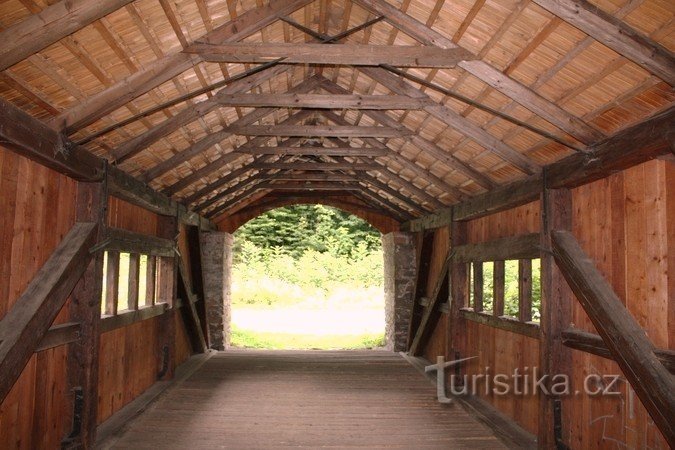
(37, 208)
(441, 246)
(437, 342)
(625, 223)
(130, 217)
(128, 365)
(513, 222)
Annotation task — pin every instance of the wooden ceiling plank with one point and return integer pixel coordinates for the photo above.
(454, 120)
(310, 186)
(139, 143)
(212, 139)
(488, 74)
(167, 67)
(340, 54)
(50, 25)
(616, 35)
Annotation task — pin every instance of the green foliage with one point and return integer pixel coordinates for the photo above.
(285, 341)
(293, 230)
(511, 288)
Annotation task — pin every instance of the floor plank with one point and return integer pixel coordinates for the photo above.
(311, 399)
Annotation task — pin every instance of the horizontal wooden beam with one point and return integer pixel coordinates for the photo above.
(517, 247)
(315, 151)
(60, 334)
(642, 142)
(342, 54)
(507, 323)
(322, 101)
(167, 67)
(592, 343)
(316, 166)
(29, 137)
(127, 241)
(312, 176)
(319, 131)
(623, 336)
(616, 35)
(109, 323)
(50, 25)
(310, 186)
(25, 324)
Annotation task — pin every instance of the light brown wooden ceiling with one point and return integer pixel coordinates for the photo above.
(581, 90)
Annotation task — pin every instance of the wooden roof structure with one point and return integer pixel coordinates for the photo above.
(412, 105)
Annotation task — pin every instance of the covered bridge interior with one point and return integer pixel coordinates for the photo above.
(470, 132)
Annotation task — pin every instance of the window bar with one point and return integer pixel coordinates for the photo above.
(112, 283)
(499, 281)
(134, 277)
(478, 286)
(150, 271)
(525, 290)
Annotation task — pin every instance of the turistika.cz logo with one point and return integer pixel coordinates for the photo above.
(525, 381)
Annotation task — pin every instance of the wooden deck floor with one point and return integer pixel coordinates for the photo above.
(252, 399)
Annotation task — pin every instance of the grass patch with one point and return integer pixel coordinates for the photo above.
(287, 341)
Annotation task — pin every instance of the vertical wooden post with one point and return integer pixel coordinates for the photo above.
(134, 277)
(525, 290)
(167, 286)
(498, 288)
(112, 282)
(477, 286)
(459, 284)
(556, 316)
(150, 278)
(85, 308)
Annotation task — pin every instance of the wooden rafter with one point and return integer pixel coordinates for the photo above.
(634, 145)
(24, 326)
(316, 166)
(168, 67)
(488, 74)
(344, 54)
(310, 186)
(419, 141)
(50, 25)
(616, 35)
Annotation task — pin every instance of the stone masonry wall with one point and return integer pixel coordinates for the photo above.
(399, 286)
(216, 253)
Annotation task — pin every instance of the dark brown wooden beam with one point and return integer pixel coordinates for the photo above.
(624, 337)
(189, 311)
(26, 323)
(642, 142)
(316, 151)
(127, 318)
(511, 324)
(29, 137)
(348, 131)
(343, 54)
(616, 35)
(60, 334)
(313, 176)
(487, 73)
(39, 31)
(556, 316)
(516, 247)
(431, 312)
(129, 242)
(322, 101)
(425, 247)
(164, 69)
(592, 343)
(316, 166)
(316, 186)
